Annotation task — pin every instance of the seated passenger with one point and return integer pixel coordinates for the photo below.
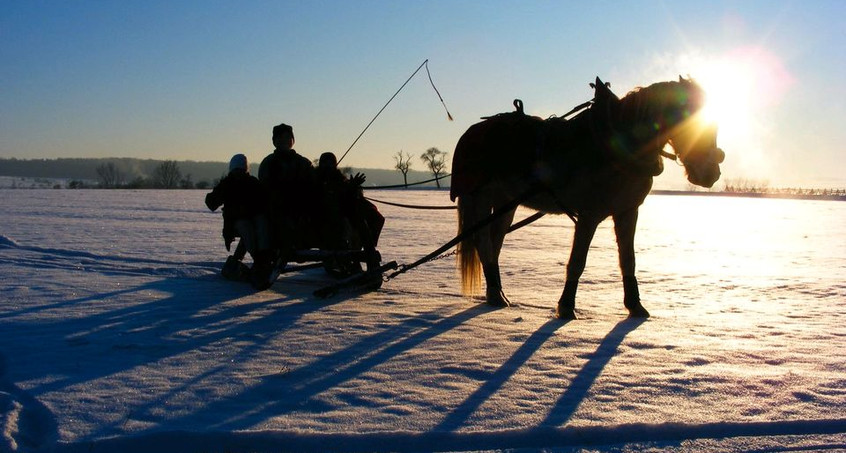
(244, 203)
(344, 203)
(290, 183)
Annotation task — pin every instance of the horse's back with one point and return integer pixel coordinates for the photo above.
(466, 161)
(499, 146)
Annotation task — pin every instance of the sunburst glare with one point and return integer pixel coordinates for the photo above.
(739, 87)
(728, 86)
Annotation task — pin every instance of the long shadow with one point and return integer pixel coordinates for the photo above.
(34, 426)
(172, 318)
(67, 302)
(46, 259)
(522, 440)
(282, 313)
(132, 334)
(579, 387)
(460, 414)
(292, 391)
(147, 330)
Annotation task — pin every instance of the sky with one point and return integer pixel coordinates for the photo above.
(203, 80)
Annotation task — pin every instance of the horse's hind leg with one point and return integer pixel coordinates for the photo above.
(490, 264)
(624, 228)
(488, 242)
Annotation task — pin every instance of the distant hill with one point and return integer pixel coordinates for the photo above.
(85, 169)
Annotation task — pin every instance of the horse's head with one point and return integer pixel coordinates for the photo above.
(694, 141)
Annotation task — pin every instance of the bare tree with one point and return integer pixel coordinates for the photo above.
(109, 175)
(167, 175)
(435, 159)
(187, 182)
(403, 164)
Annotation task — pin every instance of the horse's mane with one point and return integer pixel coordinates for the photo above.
(641, 103)
(656, 100)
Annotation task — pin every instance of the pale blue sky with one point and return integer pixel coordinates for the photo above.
(203, 80)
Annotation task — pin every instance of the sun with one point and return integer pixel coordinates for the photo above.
(729, 87)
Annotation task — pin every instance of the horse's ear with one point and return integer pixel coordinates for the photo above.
(598, 83)
(603, 91)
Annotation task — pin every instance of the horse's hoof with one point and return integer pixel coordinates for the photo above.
(498, 302)
(566, 314)
(638, 312)
(497, 299)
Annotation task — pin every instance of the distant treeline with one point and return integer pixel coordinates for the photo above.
(85, 169)
(745, 186)
(151, 173)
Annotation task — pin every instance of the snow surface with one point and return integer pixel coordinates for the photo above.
(117, 334)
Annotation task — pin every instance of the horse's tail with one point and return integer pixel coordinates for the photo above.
(468, 256)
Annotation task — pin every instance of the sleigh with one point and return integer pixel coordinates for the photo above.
(353, 269)
(341, 252)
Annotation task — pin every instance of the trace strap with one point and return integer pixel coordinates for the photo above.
(526, 221)
(499, 212)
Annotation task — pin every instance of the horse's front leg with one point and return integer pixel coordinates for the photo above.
(624, 227)
(585, 229)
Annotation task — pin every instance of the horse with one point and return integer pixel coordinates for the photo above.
(597, 164)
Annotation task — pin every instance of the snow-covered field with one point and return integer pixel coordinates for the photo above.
(116, 334)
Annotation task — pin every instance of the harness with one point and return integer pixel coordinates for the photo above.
(618, 148)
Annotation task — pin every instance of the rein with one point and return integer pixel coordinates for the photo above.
(400, 186)
(670, 156)
(577, 109)
(409, 206)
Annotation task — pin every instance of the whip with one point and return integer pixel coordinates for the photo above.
(426, 64)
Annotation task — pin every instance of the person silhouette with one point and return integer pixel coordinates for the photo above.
(244, 202)
(290, 181)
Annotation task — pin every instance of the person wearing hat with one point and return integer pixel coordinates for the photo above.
(244, 202)
(291, 184)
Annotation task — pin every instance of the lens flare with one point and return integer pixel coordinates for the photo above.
(728, 88)
(740, 86)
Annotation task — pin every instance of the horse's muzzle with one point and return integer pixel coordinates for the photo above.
(704, 171)
(719, 155)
